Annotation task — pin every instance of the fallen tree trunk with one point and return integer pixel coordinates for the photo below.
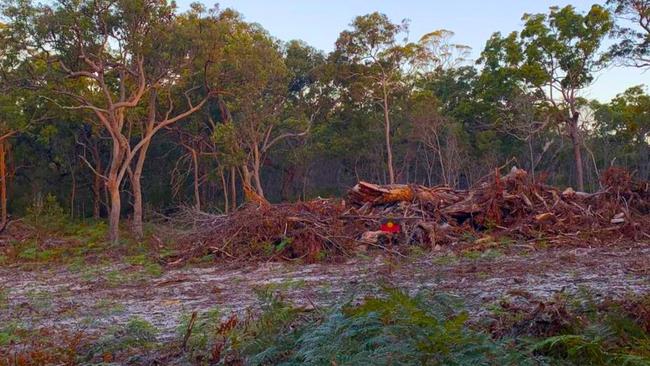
(372, 193)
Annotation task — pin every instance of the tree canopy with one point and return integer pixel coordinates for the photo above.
(121, 107)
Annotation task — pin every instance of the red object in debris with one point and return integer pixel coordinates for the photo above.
(390, 226)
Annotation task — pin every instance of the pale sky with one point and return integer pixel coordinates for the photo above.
(319, 22)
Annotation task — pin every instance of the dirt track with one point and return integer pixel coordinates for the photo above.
(79, 300)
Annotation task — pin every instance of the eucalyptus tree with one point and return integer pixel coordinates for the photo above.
(375, 63)
(254, 90)
(632, 32)
(14, 115)
(112, 58)
(554, 57)
(625, 122)
(309, 103)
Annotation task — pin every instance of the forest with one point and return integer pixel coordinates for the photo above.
(112, 115)
(174, 137)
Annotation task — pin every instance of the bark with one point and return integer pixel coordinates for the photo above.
(113, 183)
(140, 150)
(112, 118)
(73, 191)
(389, 148)
(3, 183)
(445, 179)
(368, 192)
(226, 204)
(246, 178)
(114, 215)
(136, 184)
(197, 195)
(251, 194)
(365, 193)
(577, 152)
(233, 188)
(256, 172)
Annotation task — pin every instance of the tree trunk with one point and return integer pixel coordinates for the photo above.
(138, 227)
(113, 184)
(114, 216)
(577, 152)
(445, 180)
(226, 204)
(197, 195)
(287, 183)
(389, 148)
(256, 172)
(233, 188)
(246, 177)
(3, 183)
(73, 191)
(251, 194)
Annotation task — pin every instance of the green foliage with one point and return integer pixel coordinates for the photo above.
(633, 45)
(136, 334)
(109, 307)
(399, 329)
(46, 211)
(304, 122)
(75, 240)
(4, 297)
(608, 337)
(9, 333)
(263, 339)
(40, 300)
(396, 328)
(559, 48)
(225, 138)
(204, 332)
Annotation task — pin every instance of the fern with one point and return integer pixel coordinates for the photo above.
(400, 330)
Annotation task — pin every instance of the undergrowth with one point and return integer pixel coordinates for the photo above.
(398, 329)
(48, 236)
(391, 329)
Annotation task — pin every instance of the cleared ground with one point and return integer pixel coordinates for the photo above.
(95, 297)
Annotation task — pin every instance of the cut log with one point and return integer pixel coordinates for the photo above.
(365, 192)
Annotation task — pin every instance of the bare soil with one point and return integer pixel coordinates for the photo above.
(95, 298)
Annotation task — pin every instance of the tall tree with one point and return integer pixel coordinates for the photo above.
(309, 101)
(255, 93)
(375, 63)
(626, 120)
(555, 56)
(13, 101)
(125, 51)
(632, 31)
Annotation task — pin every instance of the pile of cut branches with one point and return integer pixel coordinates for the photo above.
(514, 205)
(309, 231)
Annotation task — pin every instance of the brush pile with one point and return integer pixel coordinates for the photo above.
(513, 205)
(310, 231)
